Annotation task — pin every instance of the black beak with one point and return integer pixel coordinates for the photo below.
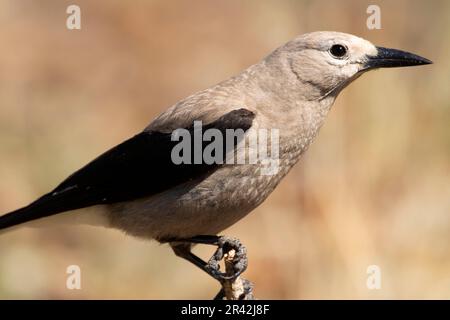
(391, 58)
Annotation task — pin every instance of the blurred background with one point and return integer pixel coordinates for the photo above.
(373, 189)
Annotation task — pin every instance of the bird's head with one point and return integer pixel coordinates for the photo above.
(325, 62)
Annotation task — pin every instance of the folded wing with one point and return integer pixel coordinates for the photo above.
(139, 167)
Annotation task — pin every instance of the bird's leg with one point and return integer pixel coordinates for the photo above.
(182, 248)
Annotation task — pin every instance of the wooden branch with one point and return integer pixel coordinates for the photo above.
(239, 288)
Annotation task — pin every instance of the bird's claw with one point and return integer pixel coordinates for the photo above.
(239, 261)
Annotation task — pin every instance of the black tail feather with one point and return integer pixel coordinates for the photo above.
(45, 206)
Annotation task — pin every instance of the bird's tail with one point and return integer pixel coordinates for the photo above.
(45, 206)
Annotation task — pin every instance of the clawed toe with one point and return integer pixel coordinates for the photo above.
(239, 260)
(228, 248)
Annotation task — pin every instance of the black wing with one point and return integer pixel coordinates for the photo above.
(139, 167)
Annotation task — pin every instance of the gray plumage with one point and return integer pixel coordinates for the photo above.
(291, 90)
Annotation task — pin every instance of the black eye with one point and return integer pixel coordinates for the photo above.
(338, 50)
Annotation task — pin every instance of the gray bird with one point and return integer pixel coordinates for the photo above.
(138, 188)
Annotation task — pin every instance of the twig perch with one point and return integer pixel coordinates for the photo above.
(239, 288)
(235, 258)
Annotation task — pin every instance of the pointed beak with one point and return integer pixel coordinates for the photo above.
(391, 58)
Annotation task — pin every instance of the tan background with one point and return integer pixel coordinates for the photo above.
(373, 189)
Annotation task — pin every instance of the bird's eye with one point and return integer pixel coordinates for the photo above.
(338, 50)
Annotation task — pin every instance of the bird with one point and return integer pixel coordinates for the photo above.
(139, 187)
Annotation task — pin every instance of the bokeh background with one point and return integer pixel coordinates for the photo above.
(373, 189)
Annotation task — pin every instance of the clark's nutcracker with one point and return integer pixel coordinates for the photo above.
(137, 186)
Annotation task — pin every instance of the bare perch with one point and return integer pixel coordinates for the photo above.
(234, 255)
(239, 288)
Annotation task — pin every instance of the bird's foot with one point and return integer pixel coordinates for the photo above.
(238, 263)
(234, 254)
(225, 245)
